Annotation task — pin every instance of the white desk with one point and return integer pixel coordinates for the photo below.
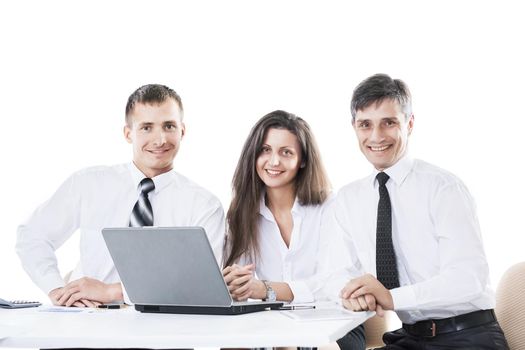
(94, 328)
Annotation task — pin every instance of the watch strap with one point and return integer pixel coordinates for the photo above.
(270, 293)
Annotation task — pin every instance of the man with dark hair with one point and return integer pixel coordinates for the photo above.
(144, 192)
(151, 94)
(410, 236)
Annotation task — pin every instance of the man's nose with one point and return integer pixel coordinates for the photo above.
(160, 138)
(376, 134)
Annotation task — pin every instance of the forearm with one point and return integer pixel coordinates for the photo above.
(115, 292)
(445, 289)
(282, 290)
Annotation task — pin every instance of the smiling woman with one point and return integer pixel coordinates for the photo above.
(279, 160)
(280, 191)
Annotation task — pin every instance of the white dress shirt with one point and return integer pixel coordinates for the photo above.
(99, 197)
(443, 270)
(297, 262)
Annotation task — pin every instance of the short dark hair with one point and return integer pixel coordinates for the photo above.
(376, 89)
(151, 94)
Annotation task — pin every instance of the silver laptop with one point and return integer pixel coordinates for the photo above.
(173, 270)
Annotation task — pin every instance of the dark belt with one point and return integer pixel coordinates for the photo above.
(431, 328)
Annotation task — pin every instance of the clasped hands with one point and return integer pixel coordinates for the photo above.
(86, 292)
(367, 293)
(242, 284)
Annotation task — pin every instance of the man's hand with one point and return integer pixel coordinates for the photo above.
(86, 292)
(242, 284)
(57, 293)
(362, 303)
(364, 287)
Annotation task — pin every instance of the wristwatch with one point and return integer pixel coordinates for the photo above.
(270, 293)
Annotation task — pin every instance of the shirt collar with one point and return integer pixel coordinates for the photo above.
(397, 172)
(297, 208)
(160, 181)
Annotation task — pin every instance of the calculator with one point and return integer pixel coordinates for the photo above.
(18, 304)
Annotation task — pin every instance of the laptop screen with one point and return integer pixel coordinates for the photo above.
(167, 266)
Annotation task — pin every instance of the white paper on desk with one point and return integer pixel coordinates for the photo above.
(63, 309)
(320, 314)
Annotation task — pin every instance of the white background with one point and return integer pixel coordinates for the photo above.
(67, 68)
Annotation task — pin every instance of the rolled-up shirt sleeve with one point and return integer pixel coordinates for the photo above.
(463, 270)
(50, 225)
(301, 291)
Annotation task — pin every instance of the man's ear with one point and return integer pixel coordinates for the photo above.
(410, 124)
(183, 130)
(127, 134)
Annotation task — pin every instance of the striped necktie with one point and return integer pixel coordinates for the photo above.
(386, 264)
(142, 214)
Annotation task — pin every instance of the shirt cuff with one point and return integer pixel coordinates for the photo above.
(404, 298)
(326, 287)
(125, 295)
(51, 282)
(301, 292)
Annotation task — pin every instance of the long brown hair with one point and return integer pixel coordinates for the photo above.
(312, 184)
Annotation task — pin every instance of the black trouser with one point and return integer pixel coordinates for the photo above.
(485, 337)
(353, 340)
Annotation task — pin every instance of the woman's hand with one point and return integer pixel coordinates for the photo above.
(242, 284)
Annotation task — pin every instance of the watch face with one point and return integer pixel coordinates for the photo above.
(271, 295)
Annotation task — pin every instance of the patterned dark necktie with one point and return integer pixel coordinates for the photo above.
(142, 214)
(386, 265)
